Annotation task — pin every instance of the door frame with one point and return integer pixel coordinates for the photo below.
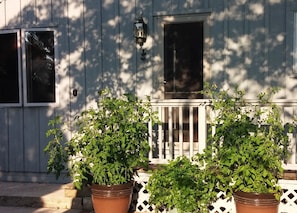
(158, 59)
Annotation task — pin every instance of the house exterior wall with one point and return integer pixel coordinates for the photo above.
(248, 42)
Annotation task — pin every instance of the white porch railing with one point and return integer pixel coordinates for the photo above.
(184, 126)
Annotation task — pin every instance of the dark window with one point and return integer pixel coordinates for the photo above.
(9, 68)
(183, 57)
(40, 66)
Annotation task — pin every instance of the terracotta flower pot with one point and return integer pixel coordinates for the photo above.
(255, 203)
(112, 199)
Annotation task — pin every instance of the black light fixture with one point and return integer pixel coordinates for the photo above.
(140, 34)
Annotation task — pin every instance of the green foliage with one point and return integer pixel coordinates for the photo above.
(110, 141)
(244, 154)
(182, 185)
(249, 144)
(54, 148)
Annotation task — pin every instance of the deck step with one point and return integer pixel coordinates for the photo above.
(13, 209)
(41, 195)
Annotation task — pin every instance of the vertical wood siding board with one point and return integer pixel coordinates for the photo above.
(12, 14)
(2, 15)
(189, 6)
(225, 25)
(289, 39)
(277, 17)
(118, 44)
(257, 50)
(237, 47)
(76, 44)
(155, 51)
(35, 13)
(287, 47)
(101, 55)
(59, 12)
(110, 59)
(224, 38)
(206, 4)
(85, 31)
(127, 45)
(144, 69)
(236, 22)
(177, 6)
(4, 146)
(16, 139)
(28, 12)
(43, 11)
(31, 139)
(266, 41)
(63, 42)
(51, 11)
(135, 55)
(218, 32)
(117, 32)
(277, 47)
(155, 5)
(162, 6)
(43, 125)
(92, 39)
(246, 32)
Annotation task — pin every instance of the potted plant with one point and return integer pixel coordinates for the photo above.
(109, 144)
(247, 149)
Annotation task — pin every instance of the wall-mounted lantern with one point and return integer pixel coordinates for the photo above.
(140, 34)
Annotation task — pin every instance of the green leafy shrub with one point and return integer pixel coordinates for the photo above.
(110, 142)
(250, 142)
(183, 185)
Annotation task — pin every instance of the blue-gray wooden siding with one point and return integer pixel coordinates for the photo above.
(96, 49)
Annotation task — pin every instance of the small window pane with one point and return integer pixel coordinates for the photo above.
(183, 60)
(40, 66)
(9, 79)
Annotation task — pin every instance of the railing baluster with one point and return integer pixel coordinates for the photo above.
(202, 128)
(191, 132)
(150, 138)
(180, 131)
(170, 134)
(160, 132)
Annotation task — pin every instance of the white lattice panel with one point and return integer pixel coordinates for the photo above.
(289, 198)
(140, 200)
(222, 205)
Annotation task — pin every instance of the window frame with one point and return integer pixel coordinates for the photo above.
(19, 103)
(160, 22)
(24, 70)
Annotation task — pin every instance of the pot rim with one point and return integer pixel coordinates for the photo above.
(257, 199)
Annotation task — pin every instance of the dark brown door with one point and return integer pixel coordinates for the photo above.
(183, 60)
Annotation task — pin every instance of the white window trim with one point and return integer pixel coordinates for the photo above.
(19, 69)
(26, 103)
